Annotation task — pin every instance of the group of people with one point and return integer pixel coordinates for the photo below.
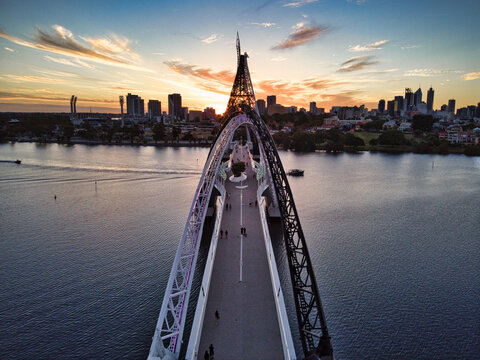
(228, 207)
(210, 353)
(243, 231)
(221, 234)
(253, 203)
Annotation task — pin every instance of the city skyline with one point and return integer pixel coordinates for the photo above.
(335, 53)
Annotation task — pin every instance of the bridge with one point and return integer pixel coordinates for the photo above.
(235, 295)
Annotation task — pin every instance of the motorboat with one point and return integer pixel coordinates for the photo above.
(18, 161)
(296, 172)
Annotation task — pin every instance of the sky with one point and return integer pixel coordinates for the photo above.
(334, 52)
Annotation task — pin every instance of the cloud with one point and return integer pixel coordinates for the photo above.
(471, 76)
(358, 2)
(8, 49)
(211, 39)
(369, 47)
(114, 50)
(45, 95)
(302, 35)
(264, 24)
(278, 59)
(75, 63)
(408, 47)
(224, 77)
(31, 78)
(299, 3)
(357, 63)
(429, 72)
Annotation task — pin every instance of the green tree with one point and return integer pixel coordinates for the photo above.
(282, 139)
(303, 142)
(176, 133)
(158, 132)
(352, 140)
(376, 124)
(392, 137)
(422, 122)
(68, 131)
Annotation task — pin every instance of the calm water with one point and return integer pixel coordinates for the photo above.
(395, 244)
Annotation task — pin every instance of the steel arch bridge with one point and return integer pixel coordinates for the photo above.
(311, 321)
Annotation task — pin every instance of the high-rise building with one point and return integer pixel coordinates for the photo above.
(175, 106)
(399, 105)
(261, 106)
(209, 113)
(391, 107)
(477, 111)
(185, 113)
(444, 107)
(313, 108)
(451, 106)
(154, 108)
(135, 105)
(418, 97)
(271, 100)
(381, 106)
(471, 111)
(430, 93)
(408, 99)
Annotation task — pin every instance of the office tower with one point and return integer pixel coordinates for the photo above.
(471, 111)
(451, 106)
(261, 106)
(120, 98)
(418, 97)
(477, 111)
(313, 108)
(399, 108)
(209, 113)
(154, 108)
(391, 107)
(408, 99)
(381, 106)
(175, 106)
(444, 107)
(185, 113)
(430, 93)
(271, 100)
(135, 105)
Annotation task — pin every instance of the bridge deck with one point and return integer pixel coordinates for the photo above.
(248, 327)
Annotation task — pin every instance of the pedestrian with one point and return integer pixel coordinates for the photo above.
(206, 356)
(230, 206)
(217, 316)
(226, 234)
(256, 203)
(221, 234)
(212, 351)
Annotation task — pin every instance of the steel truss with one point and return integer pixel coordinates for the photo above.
(171, 321)
(310, 316)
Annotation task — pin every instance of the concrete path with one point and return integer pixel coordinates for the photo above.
(248, 325)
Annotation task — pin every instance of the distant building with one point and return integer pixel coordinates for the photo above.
(291, 109)
(320, 110)
(313, 108)
(399, 109)
(471, 111)
(381, 106)
(444, 108)
(196, 115)
(391, 107)
(271, 100)
(175, 106)
(276, 109)
(261, 106)
(451, 106)
(430, 94)
(477, 111)
(418, 97)
(409, 100)
(135, 105)
(209, 113)
(185, 113)
(154, 108)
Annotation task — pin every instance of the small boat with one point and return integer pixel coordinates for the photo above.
(18, 161)
(296, 172)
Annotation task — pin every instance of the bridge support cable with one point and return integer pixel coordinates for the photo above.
(167, 339)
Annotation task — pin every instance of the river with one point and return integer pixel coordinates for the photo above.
(394, 239)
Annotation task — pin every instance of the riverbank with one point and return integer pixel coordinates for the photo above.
(180, 143)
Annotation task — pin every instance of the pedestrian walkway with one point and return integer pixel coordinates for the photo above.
(247, 327)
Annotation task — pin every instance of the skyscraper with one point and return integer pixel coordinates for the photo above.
(261, 106)
(313, 108)
(154, 108)
(408, 99)
(381, 106)
(451, 106)
(391, 107)
(175, 106)
(418, 97)
(135, 105)
(430, 93)
(399, 105)
(271, 100)
(209, 113)
(477, 111)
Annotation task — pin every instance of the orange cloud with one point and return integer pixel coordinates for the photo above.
(302, 35)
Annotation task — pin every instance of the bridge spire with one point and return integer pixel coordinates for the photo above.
(242, 90)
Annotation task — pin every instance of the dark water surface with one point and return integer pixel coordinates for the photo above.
(395, 245)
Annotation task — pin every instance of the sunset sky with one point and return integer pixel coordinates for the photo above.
(335, 52)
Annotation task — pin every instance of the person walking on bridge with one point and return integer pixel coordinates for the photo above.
(212, 351)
